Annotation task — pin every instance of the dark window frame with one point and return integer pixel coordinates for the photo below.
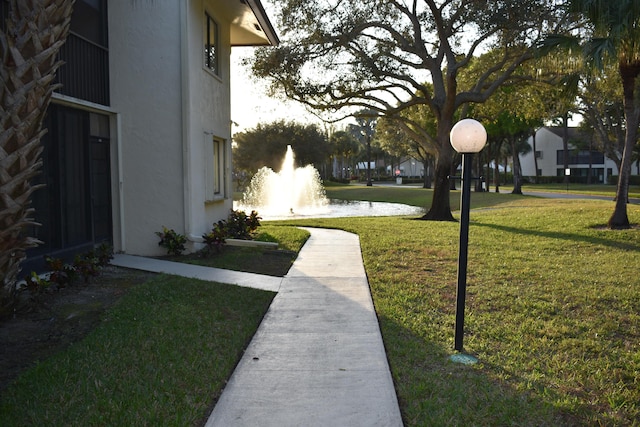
(580, 157)
(212, 47)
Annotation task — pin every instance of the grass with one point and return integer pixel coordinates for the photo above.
(421, 197)
(592, 189)
(553, 313)
(256, 260)
(413, 196)
(160, 357)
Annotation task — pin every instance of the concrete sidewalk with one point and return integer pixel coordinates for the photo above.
(317, 358)
(250, 280)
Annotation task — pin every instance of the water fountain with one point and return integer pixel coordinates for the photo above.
(289, 192)
(298, 192)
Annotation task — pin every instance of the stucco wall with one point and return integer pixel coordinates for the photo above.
(209, 116)
(549, 143)
(145, 90)
(169, 108)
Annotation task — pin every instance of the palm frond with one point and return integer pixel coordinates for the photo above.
(558, 41)
(598, 51)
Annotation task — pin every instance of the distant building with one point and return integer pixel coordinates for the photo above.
(409, 167)
(582, 162)
(139, 133)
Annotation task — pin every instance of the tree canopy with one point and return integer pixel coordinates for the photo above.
(266, 145)
(387, 56)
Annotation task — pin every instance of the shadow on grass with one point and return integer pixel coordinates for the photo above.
(563, 236)
(432, 390)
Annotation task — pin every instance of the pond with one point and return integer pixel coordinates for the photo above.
(341, 208)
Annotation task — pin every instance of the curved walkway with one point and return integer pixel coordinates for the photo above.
(317, 358)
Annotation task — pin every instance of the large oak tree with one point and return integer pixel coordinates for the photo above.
(385, 55)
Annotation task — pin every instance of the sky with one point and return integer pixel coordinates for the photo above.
(250, 104)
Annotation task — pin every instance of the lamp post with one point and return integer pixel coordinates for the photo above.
(467, 137)
(367, 120)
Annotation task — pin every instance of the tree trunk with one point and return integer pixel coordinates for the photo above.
(369, 184)
(517, 170)
(535, 158)
(479, 181)
(36, 29)
(440, 204)
(565, 146)
(619, 219)
(590, 170)
(427, 174)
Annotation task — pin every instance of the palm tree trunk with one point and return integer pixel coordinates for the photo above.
(36, 29)
(619, 219)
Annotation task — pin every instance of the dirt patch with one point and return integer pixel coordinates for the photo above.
(39, 330)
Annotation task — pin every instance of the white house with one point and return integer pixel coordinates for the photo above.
(550, 157)
(139, 135)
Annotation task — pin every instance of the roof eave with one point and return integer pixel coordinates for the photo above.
(263, 20)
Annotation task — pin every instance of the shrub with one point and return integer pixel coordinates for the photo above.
(104, 254)
(238, 225)
(215, 239)
(86, 265)
(36, 285)
(170, 240)
(61, 273)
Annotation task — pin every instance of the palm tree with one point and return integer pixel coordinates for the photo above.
(35, 31)
(615, 37)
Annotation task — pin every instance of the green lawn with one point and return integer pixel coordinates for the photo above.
(413, 196)
(161, 356)
(553, 315)
(593, 189)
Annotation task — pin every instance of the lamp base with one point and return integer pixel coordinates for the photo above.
(465, 359)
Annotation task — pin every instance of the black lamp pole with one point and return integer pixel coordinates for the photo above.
(468, 136)
(465, 199)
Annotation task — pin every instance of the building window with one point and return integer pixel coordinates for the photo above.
(538, 154)
(211, 45)
(215, 169)
(581, 157)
